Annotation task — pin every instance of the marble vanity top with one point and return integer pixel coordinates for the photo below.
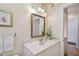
(36, 48)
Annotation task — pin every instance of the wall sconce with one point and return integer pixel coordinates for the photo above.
(39, 10)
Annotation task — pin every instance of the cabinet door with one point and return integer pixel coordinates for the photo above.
(51, 51)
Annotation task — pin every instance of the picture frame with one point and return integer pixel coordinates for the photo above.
(5, 18)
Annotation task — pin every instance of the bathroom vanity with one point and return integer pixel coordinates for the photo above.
(48, 48)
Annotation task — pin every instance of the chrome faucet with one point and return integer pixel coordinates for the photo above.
(42, 40)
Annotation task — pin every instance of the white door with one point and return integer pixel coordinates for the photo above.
(73, 30)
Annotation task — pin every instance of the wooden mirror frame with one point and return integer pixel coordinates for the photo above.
(32, 25)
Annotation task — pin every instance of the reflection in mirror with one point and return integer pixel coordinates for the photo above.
(37, 25)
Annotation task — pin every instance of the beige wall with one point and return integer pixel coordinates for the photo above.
(19, 24)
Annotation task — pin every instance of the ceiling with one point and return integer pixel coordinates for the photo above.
(47, 6)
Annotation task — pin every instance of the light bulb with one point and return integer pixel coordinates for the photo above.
(33, 10)
(39, 9)
(42, 11)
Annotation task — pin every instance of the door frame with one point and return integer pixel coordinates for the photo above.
(66, 24)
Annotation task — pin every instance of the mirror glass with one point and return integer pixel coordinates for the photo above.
(37, 25)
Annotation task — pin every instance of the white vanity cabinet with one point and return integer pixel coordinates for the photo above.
(49, 48)
(51, 51)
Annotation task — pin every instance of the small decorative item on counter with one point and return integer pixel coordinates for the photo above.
(49, 33)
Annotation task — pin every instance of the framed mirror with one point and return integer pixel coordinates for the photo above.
(37, 25)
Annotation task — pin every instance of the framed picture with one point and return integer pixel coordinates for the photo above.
(5, 19)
